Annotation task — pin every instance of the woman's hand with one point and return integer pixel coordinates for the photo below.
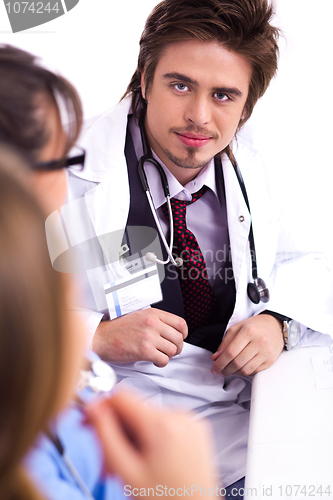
(151, 448)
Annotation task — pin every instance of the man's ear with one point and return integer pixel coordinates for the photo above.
(143, 87)
(246, 114)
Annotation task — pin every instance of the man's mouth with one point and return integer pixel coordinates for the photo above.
(194, 140)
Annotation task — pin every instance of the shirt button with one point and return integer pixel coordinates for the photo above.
(181, 196)
(241, 218)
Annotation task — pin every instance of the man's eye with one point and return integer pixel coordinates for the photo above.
(221, 97)
(181, 87)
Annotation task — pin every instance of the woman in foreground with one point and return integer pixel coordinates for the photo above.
(41, 342)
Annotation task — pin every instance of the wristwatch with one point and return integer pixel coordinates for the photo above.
(291, 331)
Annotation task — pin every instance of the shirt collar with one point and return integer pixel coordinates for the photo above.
(205, 177)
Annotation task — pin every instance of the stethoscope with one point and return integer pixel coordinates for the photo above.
(256, 291)
(99, 377)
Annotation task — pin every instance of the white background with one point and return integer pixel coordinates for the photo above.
(95, 45)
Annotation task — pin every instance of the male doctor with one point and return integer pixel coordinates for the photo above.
(202, 66)
(197, 82)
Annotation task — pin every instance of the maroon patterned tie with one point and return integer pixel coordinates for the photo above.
(198, 296)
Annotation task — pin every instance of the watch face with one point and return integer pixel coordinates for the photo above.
(294, 333)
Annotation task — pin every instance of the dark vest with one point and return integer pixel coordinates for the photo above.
(209, 336)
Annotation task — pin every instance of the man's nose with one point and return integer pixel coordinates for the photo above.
(198, 111)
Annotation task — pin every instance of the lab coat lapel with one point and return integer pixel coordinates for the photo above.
(238, 223)
(108, 202)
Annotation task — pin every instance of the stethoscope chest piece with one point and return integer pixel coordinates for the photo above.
(99, 377)
(258, 291)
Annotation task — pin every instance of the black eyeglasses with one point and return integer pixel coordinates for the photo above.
(75, 161)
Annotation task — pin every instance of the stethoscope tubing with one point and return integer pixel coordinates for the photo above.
(168, 247)
(70, 466)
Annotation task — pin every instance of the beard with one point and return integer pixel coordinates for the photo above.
(189, 161)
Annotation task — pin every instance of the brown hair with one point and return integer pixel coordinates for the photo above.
(23, 82)
(32, 332)
(242, 26)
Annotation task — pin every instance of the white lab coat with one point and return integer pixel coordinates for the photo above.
(98, 204)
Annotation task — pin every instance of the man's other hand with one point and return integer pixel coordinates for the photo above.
(249, 347)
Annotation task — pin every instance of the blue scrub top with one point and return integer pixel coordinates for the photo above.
(47, 469)
(49, 472)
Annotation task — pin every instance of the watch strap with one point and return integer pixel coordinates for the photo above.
(279, 317)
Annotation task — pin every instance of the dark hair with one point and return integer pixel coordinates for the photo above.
(24, 81)
(32, 331)
(242, 26)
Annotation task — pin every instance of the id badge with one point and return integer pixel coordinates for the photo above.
(138, 290)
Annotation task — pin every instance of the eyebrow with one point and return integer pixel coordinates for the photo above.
(223, 90)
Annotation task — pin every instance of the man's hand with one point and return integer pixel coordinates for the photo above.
(146, 335)
(249, 347)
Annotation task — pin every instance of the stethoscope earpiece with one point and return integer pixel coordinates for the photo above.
(151, 257)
